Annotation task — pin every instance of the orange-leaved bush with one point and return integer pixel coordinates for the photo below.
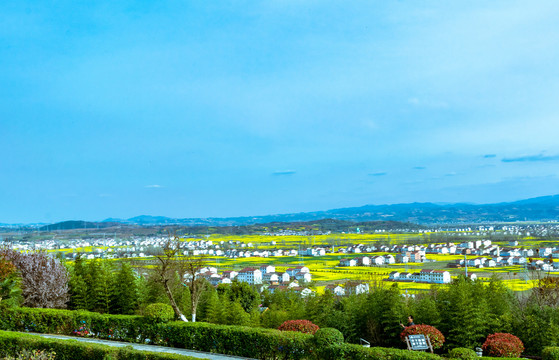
(304, 326)
(435, 336)
(503, 345)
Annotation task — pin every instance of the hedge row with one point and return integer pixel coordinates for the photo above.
(11, 344)
(358, 352)
(231, 340)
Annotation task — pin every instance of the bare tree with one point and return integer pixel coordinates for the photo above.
(44, 280)
(195, 283)
(171, 264)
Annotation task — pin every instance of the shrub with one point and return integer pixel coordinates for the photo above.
(304, 326)
(159, 312)
(503, 345)
(327, 337)
(550, 353)
(462, 354)
(33, 355)
(435, 336)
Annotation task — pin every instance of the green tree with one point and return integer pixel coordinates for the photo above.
(78, 289)
(242, 292)
(10, 293)
(236, 314)
(464, 313)
(125, 293)
(386, 310)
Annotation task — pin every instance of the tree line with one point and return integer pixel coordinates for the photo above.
(464, 311)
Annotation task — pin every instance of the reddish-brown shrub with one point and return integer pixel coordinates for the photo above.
(503, 345)
(304, 326)
(436, 337)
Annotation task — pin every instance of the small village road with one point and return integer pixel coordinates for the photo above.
(141, 347)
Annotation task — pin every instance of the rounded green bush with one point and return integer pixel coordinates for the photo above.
(550, 353)
(159, 312)
(328, 336)
(462, 354)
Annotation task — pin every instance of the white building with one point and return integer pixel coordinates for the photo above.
(250, 275)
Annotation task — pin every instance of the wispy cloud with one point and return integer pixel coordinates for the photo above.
(489, 156)
(532, 158)
(427, 103)
(284, 173)
(154, 186)
(378, 174)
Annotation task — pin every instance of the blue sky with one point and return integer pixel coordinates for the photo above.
(236, 108)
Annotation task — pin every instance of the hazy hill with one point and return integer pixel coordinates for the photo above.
(536, 209)
(78, 224)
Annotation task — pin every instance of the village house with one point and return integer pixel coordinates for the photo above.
(348, 262)
(336, 289)
(251, 276)
(356, 288)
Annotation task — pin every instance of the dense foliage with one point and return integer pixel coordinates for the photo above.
(303, 326)
(327, 337)
(465, 311)
(462, 354)
(503, 345)
(159, 312)
(232, 340)
(550, 353)
(13, 345)
(435, 336)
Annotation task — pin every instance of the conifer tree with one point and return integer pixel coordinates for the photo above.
(463, 313)
(125, 293)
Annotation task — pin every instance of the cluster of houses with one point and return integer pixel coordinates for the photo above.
(364, 260)
(349, 288)
(263, 275)
(424, 276)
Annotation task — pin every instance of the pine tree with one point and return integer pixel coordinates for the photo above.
(464, 313)
(78, 290)
(125, 291)
(236, 314)
(104, 287)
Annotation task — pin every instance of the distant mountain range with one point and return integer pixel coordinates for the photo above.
(545, 208)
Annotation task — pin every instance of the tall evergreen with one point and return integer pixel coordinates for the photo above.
(78, 289)
(463, 313)
(125, 293)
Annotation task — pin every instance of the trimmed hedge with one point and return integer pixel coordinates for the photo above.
(223, 339)
(462, 354)
(235, 340)
(328, 337)
(12, 344)
(358, 352)
(231, 340)
(66, 322)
